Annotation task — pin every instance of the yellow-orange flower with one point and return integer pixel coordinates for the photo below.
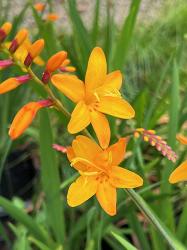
(39, 7)
(100, 94)
(25, 116)
(100, 174)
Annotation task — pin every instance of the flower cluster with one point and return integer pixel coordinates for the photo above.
(95, 97)
(23, 53)
(40, 8)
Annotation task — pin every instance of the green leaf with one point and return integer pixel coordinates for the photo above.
(166, 206)
(20, 216)
(123, 42)
(170, 238)
(123, 241)
(81, 35)
(50, 179)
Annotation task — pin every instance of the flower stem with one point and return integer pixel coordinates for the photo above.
(150, 215)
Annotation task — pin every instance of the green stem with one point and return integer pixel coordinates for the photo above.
(150, 215)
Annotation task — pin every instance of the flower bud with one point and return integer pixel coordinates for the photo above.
(25, 116)
(52, 17)
(5, 63)
(33, 51)
(39, 7)
(5, 30)
(53, 64)
(18, 40)
(13, 83)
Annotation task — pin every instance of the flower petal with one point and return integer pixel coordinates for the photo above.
(118, 151)
(70, 86)
(85, 148)
(112, 82)
(78, 165)
(179, 174)
(80, 118)
(123, 178)
(101, 128)
(96, 70)
(116, 106)
(81, 190)
(106, 196)
(182, 139)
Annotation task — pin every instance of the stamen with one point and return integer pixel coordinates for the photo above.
(88, 173)
(97, 96)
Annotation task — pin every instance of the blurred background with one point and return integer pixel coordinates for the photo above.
(147, 41)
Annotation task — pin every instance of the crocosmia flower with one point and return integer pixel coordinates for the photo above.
(98, 96)
(100, 174)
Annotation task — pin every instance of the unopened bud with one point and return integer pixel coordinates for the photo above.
(18, 40)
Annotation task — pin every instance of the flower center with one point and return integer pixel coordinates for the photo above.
(103, 177)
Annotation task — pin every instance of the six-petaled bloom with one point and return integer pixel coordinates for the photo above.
(100, 94)
(100, 174)
(180, 173)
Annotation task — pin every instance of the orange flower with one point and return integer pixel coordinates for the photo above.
(18, 40)
(182, 139)
(13, 83)
(100, 173)
(5, 30)
(39, 7)
(33, 51)
(52, 17)
(25, 116)
(53, 64)
(100, 94)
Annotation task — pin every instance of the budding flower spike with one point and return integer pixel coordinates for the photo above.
(98, 96)
(33, 51)
(25, 116)
(18, 40)
(53, 64)
(5, 30)
(99, 172)
(157, 142)
(180, 173)
(13, 83)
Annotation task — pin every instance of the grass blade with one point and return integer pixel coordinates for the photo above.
(50, 178)
(122, 45)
